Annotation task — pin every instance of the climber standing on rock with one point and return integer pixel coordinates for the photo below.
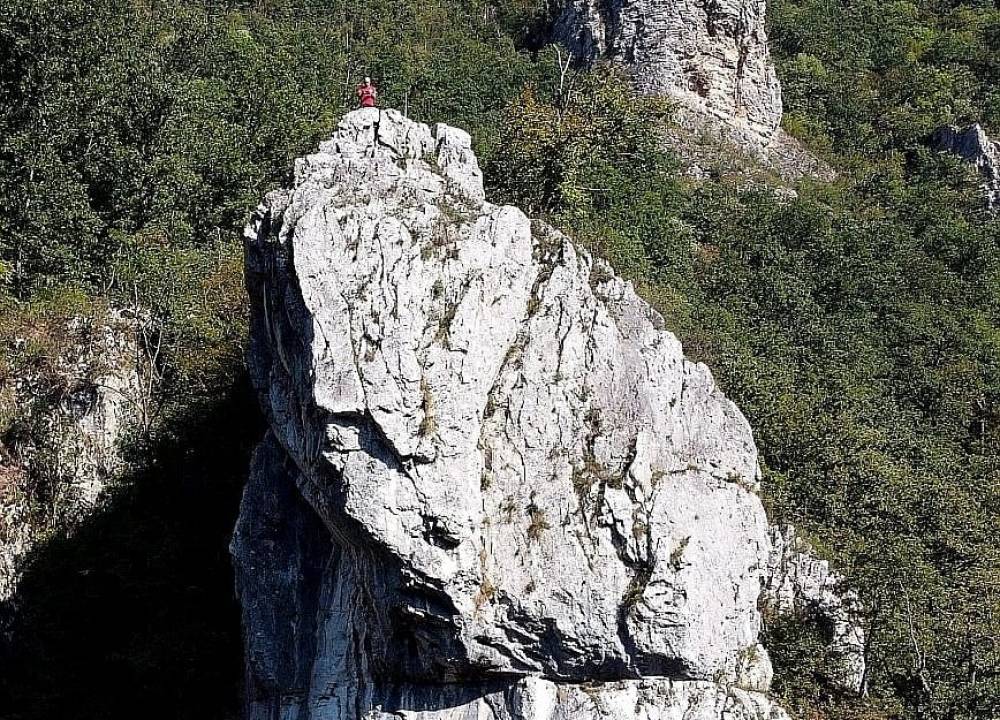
(367, 93)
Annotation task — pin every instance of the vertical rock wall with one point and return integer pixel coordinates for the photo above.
(71, 413)
(710, 55)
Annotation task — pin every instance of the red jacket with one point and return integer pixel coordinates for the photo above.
(367, 94)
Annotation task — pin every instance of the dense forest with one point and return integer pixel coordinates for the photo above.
(856, 322)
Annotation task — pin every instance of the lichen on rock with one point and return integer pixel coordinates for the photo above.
(493, 487)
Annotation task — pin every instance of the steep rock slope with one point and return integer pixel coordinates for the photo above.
(712, 58)
(493, 487)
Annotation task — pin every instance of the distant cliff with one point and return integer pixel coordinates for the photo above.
(493, 487)
(712, 58)
(70, 394)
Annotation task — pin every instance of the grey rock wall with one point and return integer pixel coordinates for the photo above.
(75, 438)
(711, 56)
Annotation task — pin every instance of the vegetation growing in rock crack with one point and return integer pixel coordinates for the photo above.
(538, 522)
(428, 424)
(487, 591)
(677, 554)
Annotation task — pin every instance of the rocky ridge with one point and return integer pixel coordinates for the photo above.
(493, 487)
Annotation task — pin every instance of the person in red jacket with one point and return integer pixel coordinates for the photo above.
(367, 94)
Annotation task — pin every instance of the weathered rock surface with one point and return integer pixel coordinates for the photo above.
(799, 582)
(493, 486)
(71, 413)
(712, 56)
(974, 146)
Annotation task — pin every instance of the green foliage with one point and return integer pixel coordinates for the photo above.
(136, 136)
(866, 77)
(124, 116)
(866, 362)
(594, 160)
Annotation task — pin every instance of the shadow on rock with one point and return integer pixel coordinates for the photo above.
(134, 614)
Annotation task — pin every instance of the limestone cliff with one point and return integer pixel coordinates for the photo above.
(65, 416)
(800, 582)
(493, 487)
(711, 58)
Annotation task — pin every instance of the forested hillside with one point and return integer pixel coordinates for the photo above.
(856, 323)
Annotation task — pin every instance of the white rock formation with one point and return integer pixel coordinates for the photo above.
(974, 146)
(711, 56)
(493, 487)
(799, 582)
(75, 441)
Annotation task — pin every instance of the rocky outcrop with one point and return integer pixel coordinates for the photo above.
(712, 57)
(975, 147)
(799, 582)
(493, 487)
(65, 414)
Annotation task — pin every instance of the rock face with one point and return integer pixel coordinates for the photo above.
(799, 582)
(710, 56)
(975, 147)
(493, 487)
(64, 445)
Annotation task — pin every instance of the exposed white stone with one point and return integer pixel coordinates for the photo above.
(494, 487)
(659, 698)
(798, 581)
(711, 56)
(974, 146)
